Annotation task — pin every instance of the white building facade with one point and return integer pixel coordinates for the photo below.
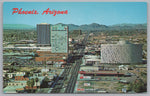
(122, 52)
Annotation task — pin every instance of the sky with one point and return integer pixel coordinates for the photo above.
(79, 13)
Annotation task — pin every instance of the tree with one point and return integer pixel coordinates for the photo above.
(6, 77)
(11, 69)
(28, 83)
(36, 80)
(138, 86)
(27, 74)
(31, 74)
(34, 69)
(143, 76)
(129, 88)
(45, 83)
(118, 73)
(32, 83)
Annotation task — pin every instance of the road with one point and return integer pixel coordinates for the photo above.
(70, 67)
(74, 73)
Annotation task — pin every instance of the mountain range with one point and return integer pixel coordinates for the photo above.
(85, 27)
(17, 26)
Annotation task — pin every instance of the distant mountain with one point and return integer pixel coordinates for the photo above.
(85, 27)
(128, 26)
(98, 27)
(93, 26)
(17, 26)
(72, 26)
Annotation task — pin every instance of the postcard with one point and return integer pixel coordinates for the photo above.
(75, 47)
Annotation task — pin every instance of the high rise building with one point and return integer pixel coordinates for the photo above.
(122, 52)
(43, 34)
(59, 38)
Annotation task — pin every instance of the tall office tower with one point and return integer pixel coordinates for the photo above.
(59, 38)
(43, 34)
(122, 52)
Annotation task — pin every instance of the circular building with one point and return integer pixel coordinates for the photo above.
(122, 52)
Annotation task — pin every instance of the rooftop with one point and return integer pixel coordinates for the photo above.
(123, 42)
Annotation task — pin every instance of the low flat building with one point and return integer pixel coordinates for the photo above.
(45, 55)
(12, 87)
(101, 73)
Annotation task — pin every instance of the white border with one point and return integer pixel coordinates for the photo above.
(1, 46)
